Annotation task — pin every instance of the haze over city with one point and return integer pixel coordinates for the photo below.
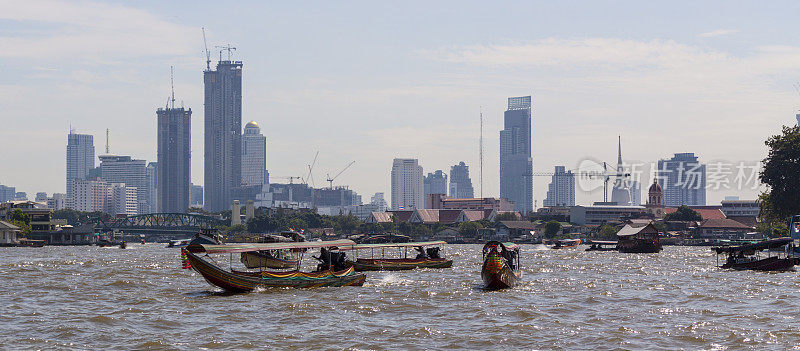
(369, 82)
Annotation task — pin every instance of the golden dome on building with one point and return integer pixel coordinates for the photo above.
(251, 124)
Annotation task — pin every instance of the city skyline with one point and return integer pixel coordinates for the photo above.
(746, 105)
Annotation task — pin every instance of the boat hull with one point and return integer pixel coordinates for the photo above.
(769, 264)
(640, 246)
(496, 274)
(362, 264)
(238, 282)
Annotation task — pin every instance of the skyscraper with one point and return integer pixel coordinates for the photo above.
(223, 134)
(435, 183)
(516, 164)
(174, 159)
(407, 189)
(561, 190)
(124, 169)
(254, 155)
(635, 188)
(80, 159)
(683, 179)
(620, 193)
(152, 187)
(460, 183)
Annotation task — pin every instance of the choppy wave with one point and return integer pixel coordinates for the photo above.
(93, 298)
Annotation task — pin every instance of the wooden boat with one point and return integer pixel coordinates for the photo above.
(243, 281)
(748, 257)
(500, 265)
(179, 243)
(639, 239)
(600, 245)
(268, 259)
(429, 256)
(566, 243)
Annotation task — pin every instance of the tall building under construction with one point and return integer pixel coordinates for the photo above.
(223, 134)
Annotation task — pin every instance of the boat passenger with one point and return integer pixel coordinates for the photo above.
(433, 252)
(421, 254)
(324, 259)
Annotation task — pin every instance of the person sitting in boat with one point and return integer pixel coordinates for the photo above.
(421, 254)
(324, 260)
(433, 252)
(338, 261)
(509, 256)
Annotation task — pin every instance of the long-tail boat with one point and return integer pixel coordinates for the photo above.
(748, 257)
(602, 245)
(429, 255)
(566, 243)
(500, 265)
(242, 281)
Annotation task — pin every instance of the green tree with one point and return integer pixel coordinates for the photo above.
(508, 216)
(683, 213)
(607, 232)
(780, 172)
(773, 229)
(551, 229)
(469, 229)
(19, 216)
(235, 229)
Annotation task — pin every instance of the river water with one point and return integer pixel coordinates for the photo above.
(139, 298)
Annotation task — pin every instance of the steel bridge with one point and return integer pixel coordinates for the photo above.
(162, 224)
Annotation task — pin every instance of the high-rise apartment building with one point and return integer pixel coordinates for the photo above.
(460, 183)
(80, 159)
(635, 188)
(174, 159)
(7, 193)
(254, 155)
(196, 196)
(683, 179)
(516, 163)
(561, 191)
(223, 134)
(407, 188)
(435, 183)
(152, 187)
(132, 172)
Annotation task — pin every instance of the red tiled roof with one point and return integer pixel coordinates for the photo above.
(706, 213)
(723, 223)
(402, 216)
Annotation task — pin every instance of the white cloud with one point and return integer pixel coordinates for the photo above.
(91, 31)
(718, 32)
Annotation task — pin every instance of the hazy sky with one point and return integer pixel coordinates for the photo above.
(372, 80)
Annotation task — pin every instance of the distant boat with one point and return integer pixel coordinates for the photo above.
(329, 273)
(500, 268)
(178, 243)
(748, 257)
(429, 255)
(639, 239)
(600, 245)
(566, 243)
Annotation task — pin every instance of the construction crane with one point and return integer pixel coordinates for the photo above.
(591, 175)
(226, 47)
(208, 53)
(291, 178)
(310, 168)
(330, 180)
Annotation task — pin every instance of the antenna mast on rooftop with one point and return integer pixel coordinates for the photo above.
(172, 85)
(208, 53)
(107, 149)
